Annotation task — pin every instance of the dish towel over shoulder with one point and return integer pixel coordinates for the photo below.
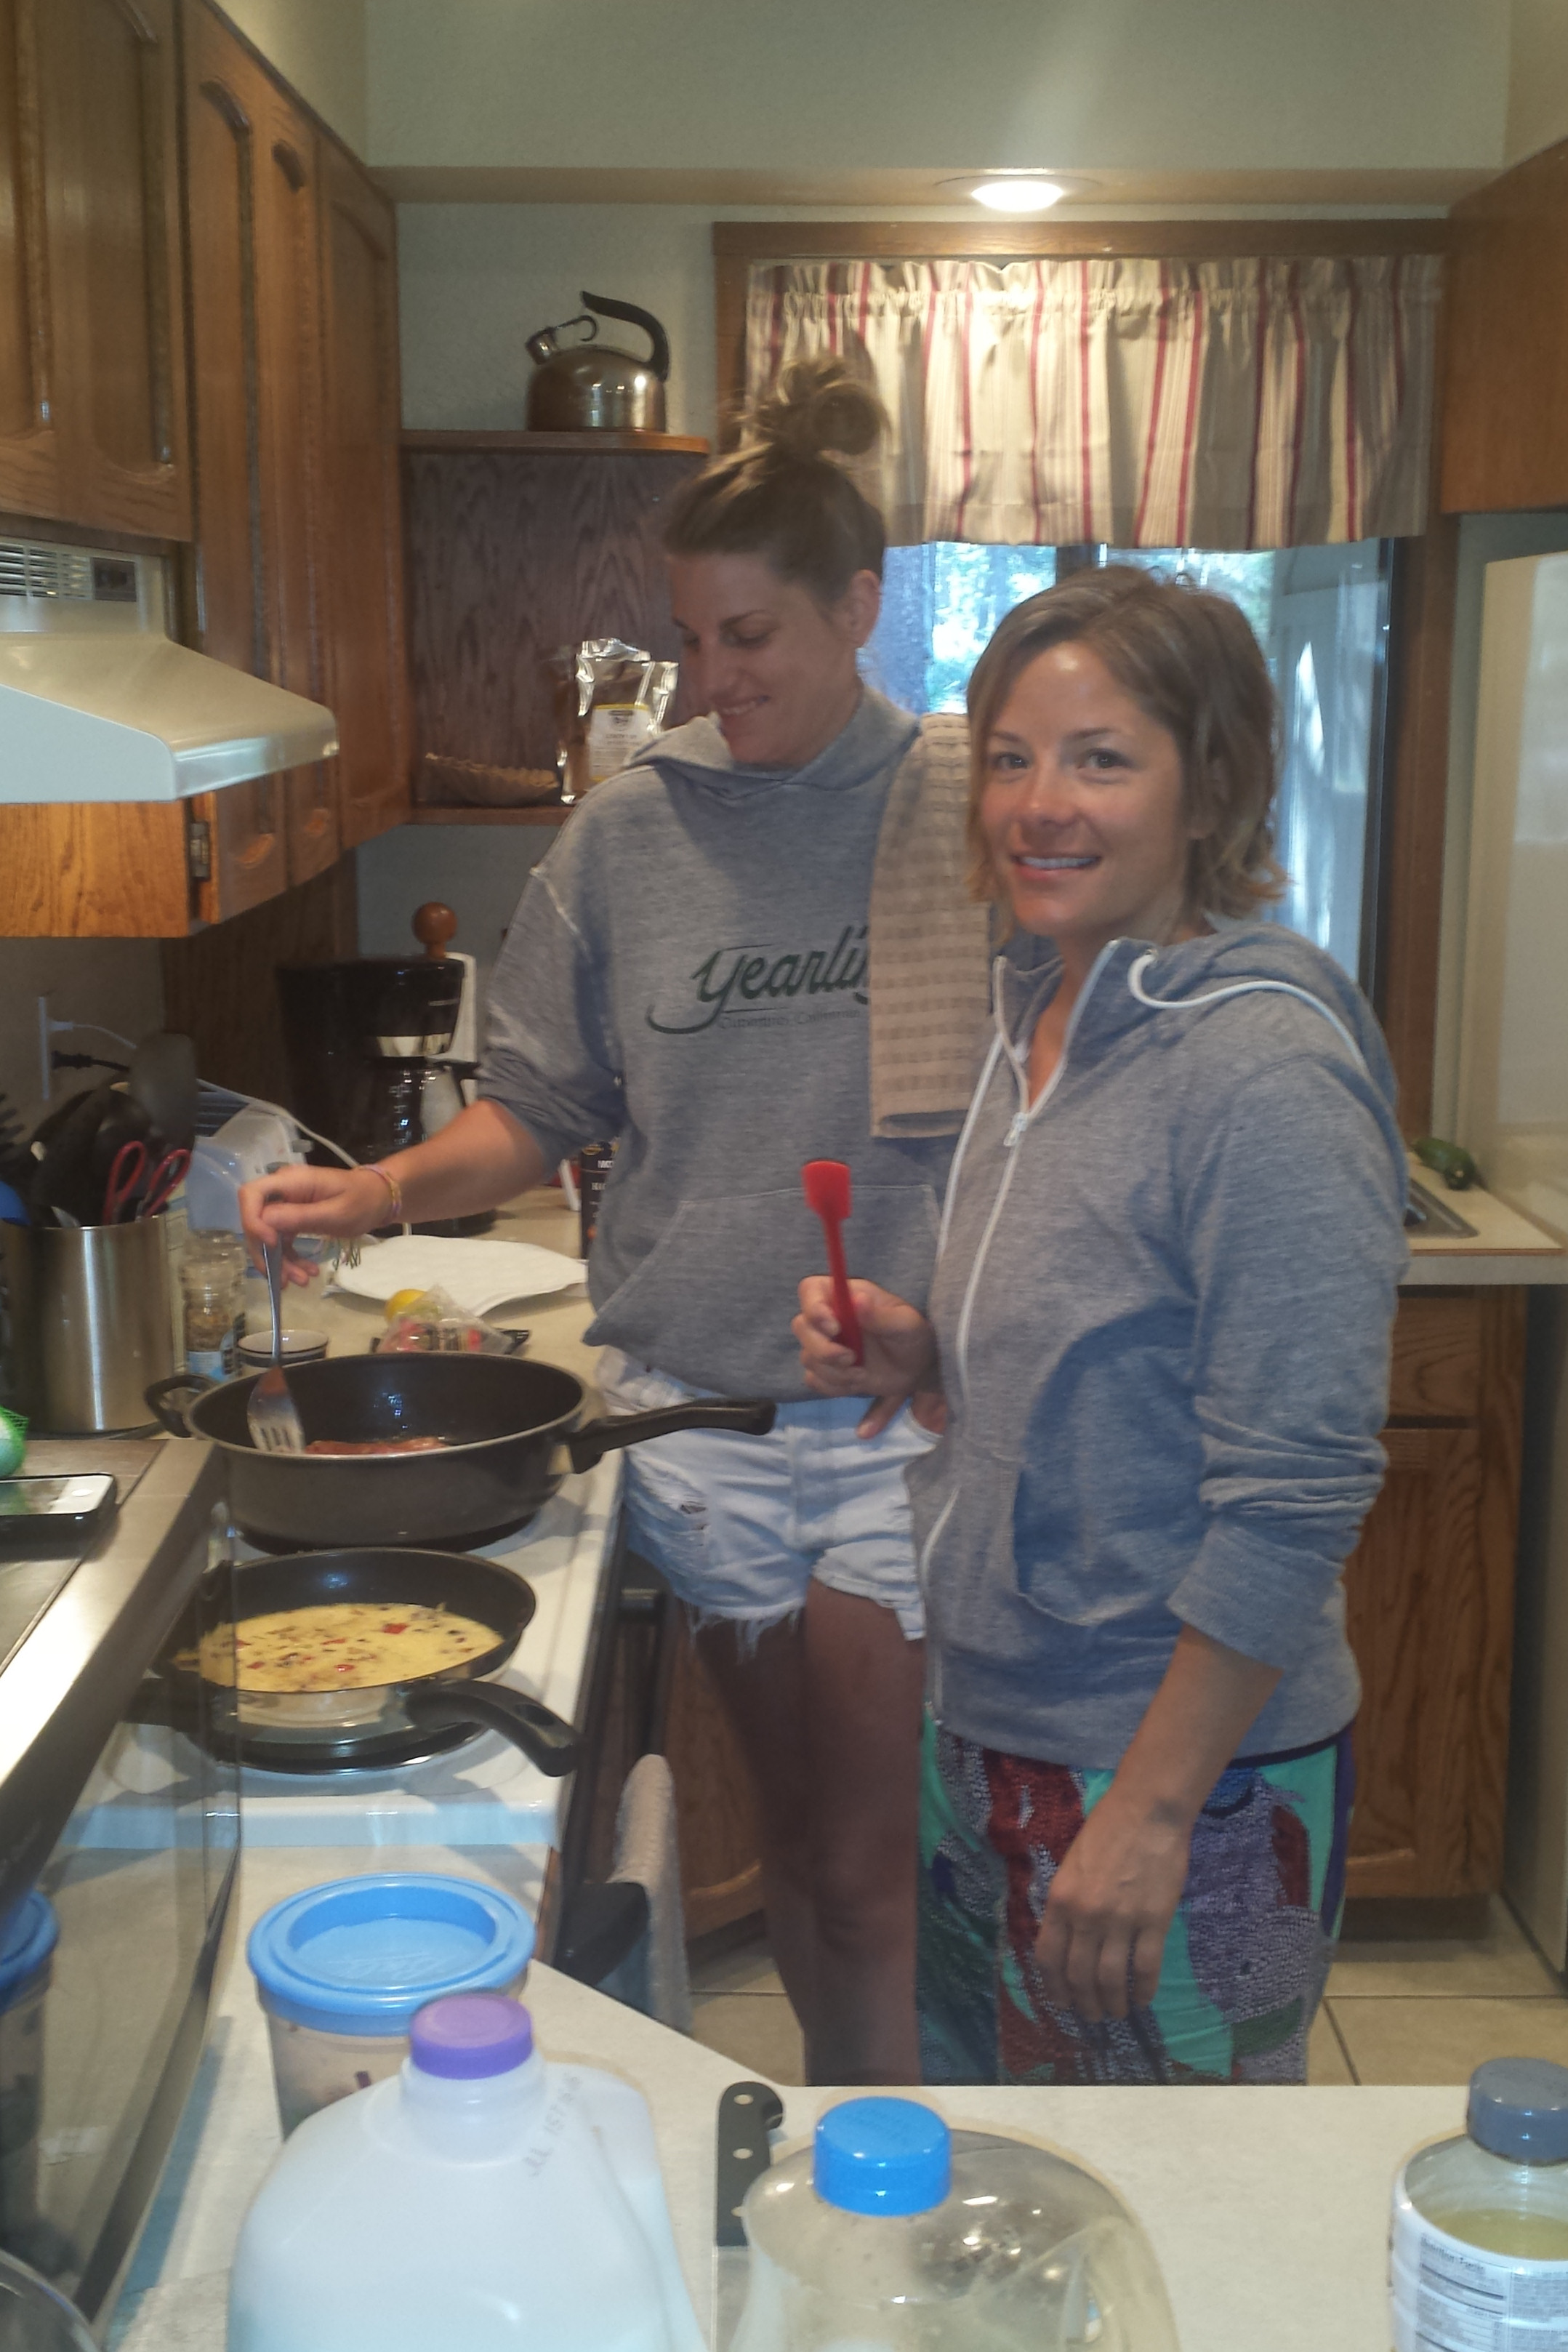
(930, 945)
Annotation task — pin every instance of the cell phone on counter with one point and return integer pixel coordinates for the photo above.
(45, 1514)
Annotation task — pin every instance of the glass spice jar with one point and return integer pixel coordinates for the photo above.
(211, 1281)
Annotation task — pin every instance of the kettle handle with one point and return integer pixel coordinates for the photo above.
(659, 357)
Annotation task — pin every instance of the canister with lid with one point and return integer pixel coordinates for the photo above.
(341, 1969)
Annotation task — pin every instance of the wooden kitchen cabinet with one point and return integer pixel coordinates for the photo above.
(1429, 1599)
(93, 355)
(1505, 335)
(362, 570)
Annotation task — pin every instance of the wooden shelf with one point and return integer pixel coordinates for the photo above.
(543, 445)
(545, 813)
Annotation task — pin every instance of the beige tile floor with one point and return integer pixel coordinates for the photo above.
(1424, 2011)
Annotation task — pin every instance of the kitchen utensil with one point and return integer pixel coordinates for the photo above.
(826, 1187)
(387, 1723)
(747, 2112)
(476, 1275)
(270, 1414)
(91, 1323)
(138, 1187)
(341, 1970)
(64, 1175)
(513, 1428)
(592, 386)
(162, 1081)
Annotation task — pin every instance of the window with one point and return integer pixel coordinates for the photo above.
(1321, 616)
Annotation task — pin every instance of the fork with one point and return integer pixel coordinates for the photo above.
(270, 1413)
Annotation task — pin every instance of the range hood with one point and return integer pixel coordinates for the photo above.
(98, 703)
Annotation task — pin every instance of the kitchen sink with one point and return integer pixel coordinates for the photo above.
(1425, 1214)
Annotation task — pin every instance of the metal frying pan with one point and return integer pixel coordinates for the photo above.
(390, 1723)
(512, 1429)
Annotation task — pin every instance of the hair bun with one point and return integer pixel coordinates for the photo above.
(817, 406)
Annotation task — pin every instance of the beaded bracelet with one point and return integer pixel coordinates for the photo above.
(394, 1187)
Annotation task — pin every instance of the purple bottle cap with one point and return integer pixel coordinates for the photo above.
(470, 2034)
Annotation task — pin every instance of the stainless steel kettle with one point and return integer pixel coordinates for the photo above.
(592, 387)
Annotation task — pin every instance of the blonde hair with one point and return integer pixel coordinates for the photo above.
(782, 495)
(1190, 661)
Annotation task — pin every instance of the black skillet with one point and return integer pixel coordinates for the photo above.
(513, 1430)
(391, 1723)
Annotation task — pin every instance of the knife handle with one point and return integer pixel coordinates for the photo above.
(747, 2112)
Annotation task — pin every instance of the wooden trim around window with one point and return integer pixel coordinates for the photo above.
(737, 244)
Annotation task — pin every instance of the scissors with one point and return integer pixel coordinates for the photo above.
(137, 1188)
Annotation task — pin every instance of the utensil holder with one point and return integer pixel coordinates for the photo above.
(90, 1326)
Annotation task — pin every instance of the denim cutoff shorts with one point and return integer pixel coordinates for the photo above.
(739, 1526)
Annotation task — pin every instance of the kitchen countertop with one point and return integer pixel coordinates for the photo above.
(1506, 1247)
(1268, 2208)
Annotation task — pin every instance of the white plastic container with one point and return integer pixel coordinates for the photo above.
(892, 2233)
(1478, 2250)
(484, 2201)
(343, 1969)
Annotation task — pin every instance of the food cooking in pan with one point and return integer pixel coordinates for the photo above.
(340, 1645)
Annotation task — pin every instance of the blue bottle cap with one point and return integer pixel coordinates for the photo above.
(26, 1941)
(1518, 2109)
(360, 1955)
(883, 2156)
(470, 2035)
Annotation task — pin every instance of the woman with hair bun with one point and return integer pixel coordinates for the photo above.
(1159, 1330)
(748, 950)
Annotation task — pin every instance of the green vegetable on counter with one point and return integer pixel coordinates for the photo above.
(1451, 1162)
(13, 1442)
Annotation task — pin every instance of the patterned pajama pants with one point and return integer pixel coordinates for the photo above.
(1245, 1961)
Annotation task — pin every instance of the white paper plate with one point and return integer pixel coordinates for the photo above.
(479, 1275)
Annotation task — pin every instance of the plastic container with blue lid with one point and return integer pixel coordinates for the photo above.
(27, 1941)
(341, 1971)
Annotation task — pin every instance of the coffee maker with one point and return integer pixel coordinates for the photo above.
(369, 1042)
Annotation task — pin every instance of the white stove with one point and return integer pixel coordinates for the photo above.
(484, 1793)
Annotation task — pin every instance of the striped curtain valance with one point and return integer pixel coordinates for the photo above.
(1149, 404)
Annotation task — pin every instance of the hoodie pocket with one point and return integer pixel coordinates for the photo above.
(712, 1300)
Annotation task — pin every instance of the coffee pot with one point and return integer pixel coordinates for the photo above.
(589, 386)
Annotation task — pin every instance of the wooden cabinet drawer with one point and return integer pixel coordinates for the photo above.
(1436, 1367)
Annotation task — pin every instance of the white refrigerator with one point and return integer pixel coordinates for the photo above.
(1514, 1116)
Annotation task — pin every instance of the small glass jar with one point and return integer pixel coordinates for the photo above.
(211, 1281)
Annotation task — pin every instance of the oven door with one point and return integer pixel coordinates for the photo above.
(113, 1950)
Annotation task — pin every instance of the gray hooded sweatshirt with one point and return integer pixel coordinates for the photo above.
(687, 972)
(1164, 1303)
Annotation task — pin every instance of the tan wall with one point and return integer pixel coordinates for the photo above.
(1537, 76)
(319, 47)
(1157, 85)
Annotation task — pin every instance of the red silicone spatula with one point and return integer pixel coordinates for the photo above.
(826, 1187)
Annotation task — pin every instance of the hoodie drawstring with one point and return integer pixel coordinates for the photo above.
(1241, 988)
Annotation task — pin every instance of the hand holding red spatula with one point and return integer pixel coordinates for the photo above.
(827, 1188)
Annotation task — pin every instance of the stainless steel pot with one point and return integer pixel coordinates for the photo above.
(592, 386)
(92, 1325)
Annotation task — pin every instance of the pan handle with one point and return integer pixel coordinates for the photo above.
(549, 1743)
(751, 1416)
(161, 1395)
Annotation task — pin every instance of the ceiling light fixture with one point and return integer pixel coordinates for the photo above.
(1019, 191)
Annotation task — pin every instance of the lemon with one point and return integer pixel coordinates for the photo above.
(401, 1301)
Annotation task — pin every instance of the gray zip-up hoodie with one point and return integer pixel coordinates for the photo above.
(1164, 1303)
(687, 972)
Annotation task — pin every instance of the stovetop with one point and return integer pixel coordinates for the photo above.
(484, 1793)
